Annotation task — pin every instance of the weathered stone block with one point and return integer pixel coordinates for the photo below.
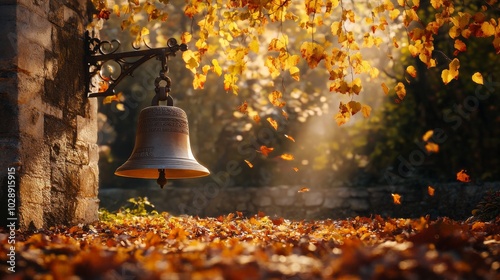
(313, 198)
(87, 128)
(262, 201)
(335, 203)
(35, 157)
(89, 177)
(9, 124)
(31, 120)
(359, 204)
(31, 215)
(86, 210)
(40, 7)
(78, 153)
(34, 27)
(33, 189)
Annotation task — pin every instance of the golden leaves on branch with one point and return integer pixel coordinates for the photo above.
(447, 75)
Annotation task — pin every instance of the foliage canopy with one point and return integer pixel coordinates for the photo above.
(339, 33)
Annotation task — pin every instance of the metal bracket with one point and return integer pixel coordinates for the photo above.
(100, 52)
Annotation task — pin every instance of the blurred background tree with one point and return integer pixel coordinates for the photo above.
(359, 153)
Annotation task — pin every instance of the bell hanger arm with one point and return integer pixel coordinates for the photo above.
(100, 52)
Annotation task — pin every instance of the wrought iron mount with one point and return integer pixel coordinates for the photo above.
(98, 53)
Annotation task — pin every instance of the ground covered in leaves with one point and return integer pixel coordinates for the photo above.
(161, 246)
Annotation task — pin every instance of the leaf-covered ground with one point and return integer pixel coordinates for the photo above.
(161, 246)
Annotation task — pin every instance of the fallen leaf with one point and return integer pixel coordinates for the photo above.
(287, 157)
(265, 150)
(273, 123)
(304, 189)
(430, 190)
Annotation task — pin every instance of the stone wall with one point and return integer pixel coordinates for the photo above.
(455, 200)
(48, 128)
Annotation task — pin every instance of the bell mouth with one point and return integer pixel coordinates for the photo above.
(175, 168)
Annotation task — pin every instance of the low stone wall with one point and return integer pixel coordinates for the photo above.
(455, 200)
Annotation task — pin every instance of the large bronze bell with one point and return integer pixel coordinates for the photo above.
(162, 149)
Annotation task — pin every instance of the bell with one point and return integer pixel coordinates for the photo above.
(162, 149)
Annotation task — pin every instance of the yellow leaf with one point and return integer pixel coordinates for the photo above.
(436, 4)
(275, 99)
(230, 83)
(452, 73)
(412, 71)
(217, 68)
(366, 110)
(394, 14)
(313, 53)
(488, 29)
(186, 37)
(478, 78)
(385, 88)
(254, 45)
(144, 31)
(192, 60)
(354, 106)
(199, 81)
(295, 73)
(287, 156)
(273, 123)
(428, 135)
(400, 90)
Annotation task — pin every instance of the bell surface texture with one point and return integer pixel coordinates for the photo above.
(162, 142)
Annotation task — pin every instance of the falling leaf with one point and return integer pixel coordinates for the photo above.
(273, 123)
(295, 169)
(304, 189)
(400, 90)
(428, 135)
(462, 176)
(284, 114)
(256, 118)
(385, 88)
(478, 78)
(396, 198)
(287, 156)
(109, 99)
(265, 150)
(432, 147)
(430, 190)
(249, 163)
(243, 108)
(366, 110)
(290, 137)
(452, 73)
(412, 71)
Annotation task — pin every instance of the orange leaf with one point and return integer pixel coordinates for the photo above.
(275, 98)
(265, 150)
(430, 190)
(396, 198)
(400, 90)
(428, 135)
(290, 138)
(304, 189)
(243, 108)
(199, 81)
(385, 88)
(273, 123)
(432, 147)
(249, 163)
(256, 118)
(412, 71)
(313, 53)
(462, 176)
(287, 157)
(295, 169)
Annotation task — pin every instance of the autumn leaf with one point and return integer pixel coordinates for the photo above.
(430, 190)
(385, 88)
(462, 176)
(265, 150)
(304, 189)
(243, 108)
(366, 110)
(199, 81)
(400, 90)
(412, 71)
(313, 53)
(248, 163)
(428, 135)
(452, 73)
(186, 37)
(295, 169)
(273, 123)
(109, 99)
(216, 67)
(396, 198)
(287, 156)
(275, 98)
(256, 118)
(432, 147)
(289, 137)
(478, 78)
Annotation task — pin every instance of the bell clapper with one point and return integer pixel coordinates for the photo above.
(161, 178)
